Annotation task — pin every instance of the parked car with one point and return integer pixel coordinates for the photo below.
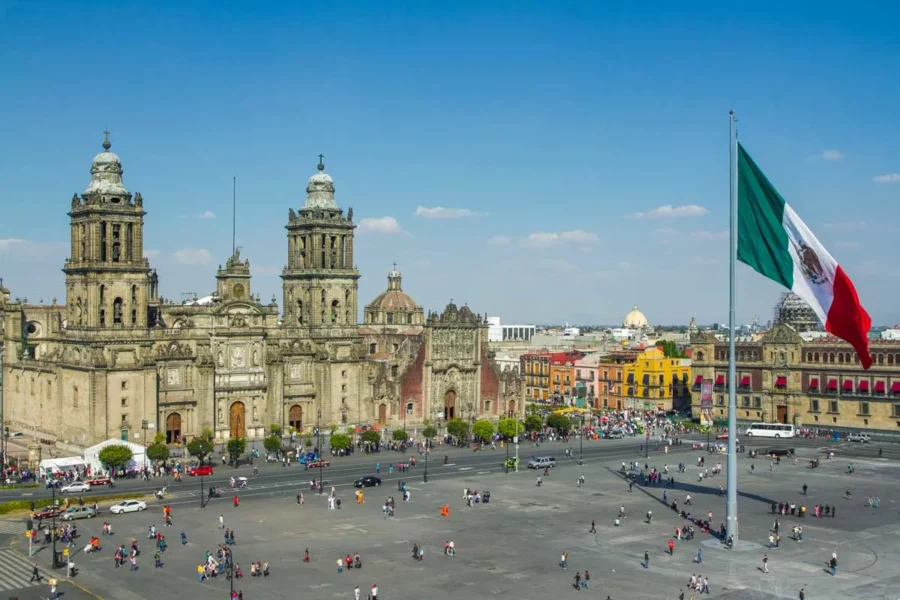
(541, 462)
(859, 437)
(779, 451)
(79, 487)
(615, 435)
(97, 481)
(78, 512)
(204, 470)
(46, 513)
(367, 481)
(128, 506)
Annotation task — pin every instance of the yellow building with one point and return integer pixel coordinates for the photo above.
(655, 382)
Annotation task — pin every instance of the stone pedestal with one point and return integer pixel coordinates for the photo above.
(34, 454)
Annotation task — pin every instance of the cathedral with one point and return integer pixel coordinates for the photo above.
(117, 360)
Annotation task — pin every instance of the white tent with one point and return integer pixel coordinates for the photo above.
(54, 465)
(138, 460)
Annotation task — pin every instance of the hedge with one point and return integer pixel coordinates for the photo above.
(14, 505)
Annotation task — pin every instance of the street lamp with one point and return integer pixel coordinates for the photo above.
(145, 425)
(2, 410)
(425, 476)
(581, 443)
(55, 561)
(319, 447)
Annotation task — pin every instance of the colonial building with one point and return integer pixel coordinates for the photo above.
(657, 382)
(118, 360)
(806, 380)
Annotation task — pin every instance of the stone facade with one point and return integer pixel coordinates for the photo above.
(786, 378)
(117, 358)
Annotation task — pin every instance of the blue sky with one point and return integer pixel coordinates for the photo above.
(553, 133)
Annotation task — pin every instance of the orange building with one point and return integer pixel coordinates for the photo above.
(562, 372)
(612, 390)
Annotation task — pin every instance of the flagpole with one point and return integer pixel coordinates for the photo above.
(731, 513)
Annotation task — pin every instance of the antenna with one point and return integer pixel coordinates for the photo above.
(233, 215)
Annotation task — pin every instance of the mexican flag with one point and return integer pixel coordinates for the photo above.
(775, 242)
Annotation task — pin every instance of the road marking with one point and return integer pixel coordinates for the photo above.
(466, 468)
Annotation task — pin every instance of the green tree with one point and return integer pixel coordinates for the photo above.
(275, 429)
(340, 441)
(510, 428)
(670, 350)
(308, 442)
(158, 452)
(458, 428)
(159, 438)
(400, 435)
(533, 423)
(202, 445)
(429, 432)
(115, 455)
(272, 444)
(483, 429)
(559, 422)
(235, 447)
(371, 436)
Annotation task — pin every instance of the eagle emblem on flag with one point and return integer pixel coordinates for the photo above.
(810, 264)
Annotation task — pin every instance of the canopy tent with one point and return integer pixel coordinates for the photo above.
(54, 465)
(138, 460)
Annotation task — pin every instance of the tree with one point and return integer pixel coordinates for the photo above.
(559, 422)
(509, 428)
(429, 432)
(400, 435)
(670, 350)
(115, 455)
(533, 423)
(275, 429)
(159, 438)
(272, 444)
(483, 429)
(202, 445)
(458, 428)
(340, 441)
(308, 442)
(235, 447)
(158, 452)
(371, 436)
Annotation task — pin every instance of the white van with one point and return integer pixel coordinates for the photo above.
(859, 437)
(541, 462)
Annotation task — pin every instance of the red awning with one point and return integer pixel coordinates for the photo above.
(699, 380)
(832, 384)
(720, 380)
(895, 387)
(745, 380)
(781, 382)
(848, 385)
(863, 386)
(814, 383)
(879, 387)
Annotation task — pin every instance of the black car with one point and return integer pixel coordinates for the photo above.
(367, 481)
(779, 451)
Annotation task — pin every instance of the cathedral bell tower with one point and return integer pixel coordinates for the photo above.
(320, 281)
(107, 275)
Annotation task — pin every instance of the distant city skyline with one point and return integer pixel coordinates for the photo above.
(542, 163)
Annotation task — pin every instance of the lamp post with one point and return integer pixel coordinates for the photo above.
(425, 476)
(54, 562)
(581, 443)
(2, 410)
(319, 447)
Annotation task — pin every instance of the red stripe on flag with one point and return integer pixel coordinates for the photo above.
(847, 319)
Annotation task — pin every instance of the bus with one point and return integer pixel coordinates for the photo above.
(776, 430)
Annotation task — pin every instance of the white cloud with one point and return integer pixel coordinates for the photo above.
(151, 254)
(207, 214)
(192, 256)
(708, 236)
(545, 239)
(385, 225)
(668, 211)
(440, 212)
(499, 240)
(847, 244)
(833, 155)
(846, 226)
(889, 178)
(9, 244)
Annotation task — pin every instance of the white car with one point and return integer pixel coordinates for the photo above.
(858, 437)
(128, 506)
(78, 487)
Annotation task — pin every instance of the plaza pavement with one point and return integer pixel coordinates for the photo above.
(511, 547)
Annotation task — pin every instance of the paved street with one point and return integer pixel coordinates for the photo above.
(511, 546)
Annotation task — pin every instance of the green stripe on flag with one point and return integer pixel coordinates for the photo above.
(762, 240)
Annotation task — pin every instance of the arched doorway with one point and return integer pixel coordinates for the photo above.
(382, 415)
(173, 429)
(511, 407)
(450, 405)
(295, 417)
(237, 420)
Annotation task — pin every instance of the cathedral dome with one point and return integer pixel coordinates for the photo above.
(106, 173)
(794, 311)
(320, 189)
(394, 306)
(635, 319)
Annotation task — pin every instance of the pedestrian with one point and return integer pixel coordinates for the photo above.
(804, 489)
(593, 526)
(646, 559)
(134, 566)
(221, 521)
(775, 527)
(577, 582)
(340, 565)
(699, 558)
(356, 593)
(586, 580)
(158, 558)
(564, 560)
(183, 539)
(802, 594)
(671, 547)
(765, 563)
(236, 501)
(374, 592)
(35, 574)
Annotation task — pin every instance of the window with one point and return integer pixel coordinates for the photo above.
(395, 347)
(757, 402)
(344, 373)
(409, 408)
(124, 385)
(394, 370)
(124, 402)
(373, 348)
(816, 357)
(813, 406)
(409, 318)
(745, 402)
(833, 406)
(103, 241)
(74, 395)
(102, 317)
(390, 318)
(124, 418)
(117, 311)
(343, 387)
(896, 412)
(720, 400)
(864, 408)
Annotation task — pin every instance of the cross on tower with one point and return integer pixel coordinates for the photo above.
(395, 266)
(321, 164)
(106, 144)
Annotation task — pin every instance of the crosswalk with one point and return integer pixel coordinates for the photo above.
(15, 571)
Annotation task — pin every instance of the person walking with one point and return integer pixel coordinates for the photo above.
(356, 593)
(35, 574)
(802, 594)
(374, 592)
(804, 489)
(765, 567)
(564, 560)
(585, 581)
(593, 526)
(646, 559)
(577, 583)
(221, 521)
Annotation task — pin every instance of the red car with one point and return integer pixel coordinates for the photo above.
(317, 463)
(46, 513)
(203, 470)
(97, 481)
